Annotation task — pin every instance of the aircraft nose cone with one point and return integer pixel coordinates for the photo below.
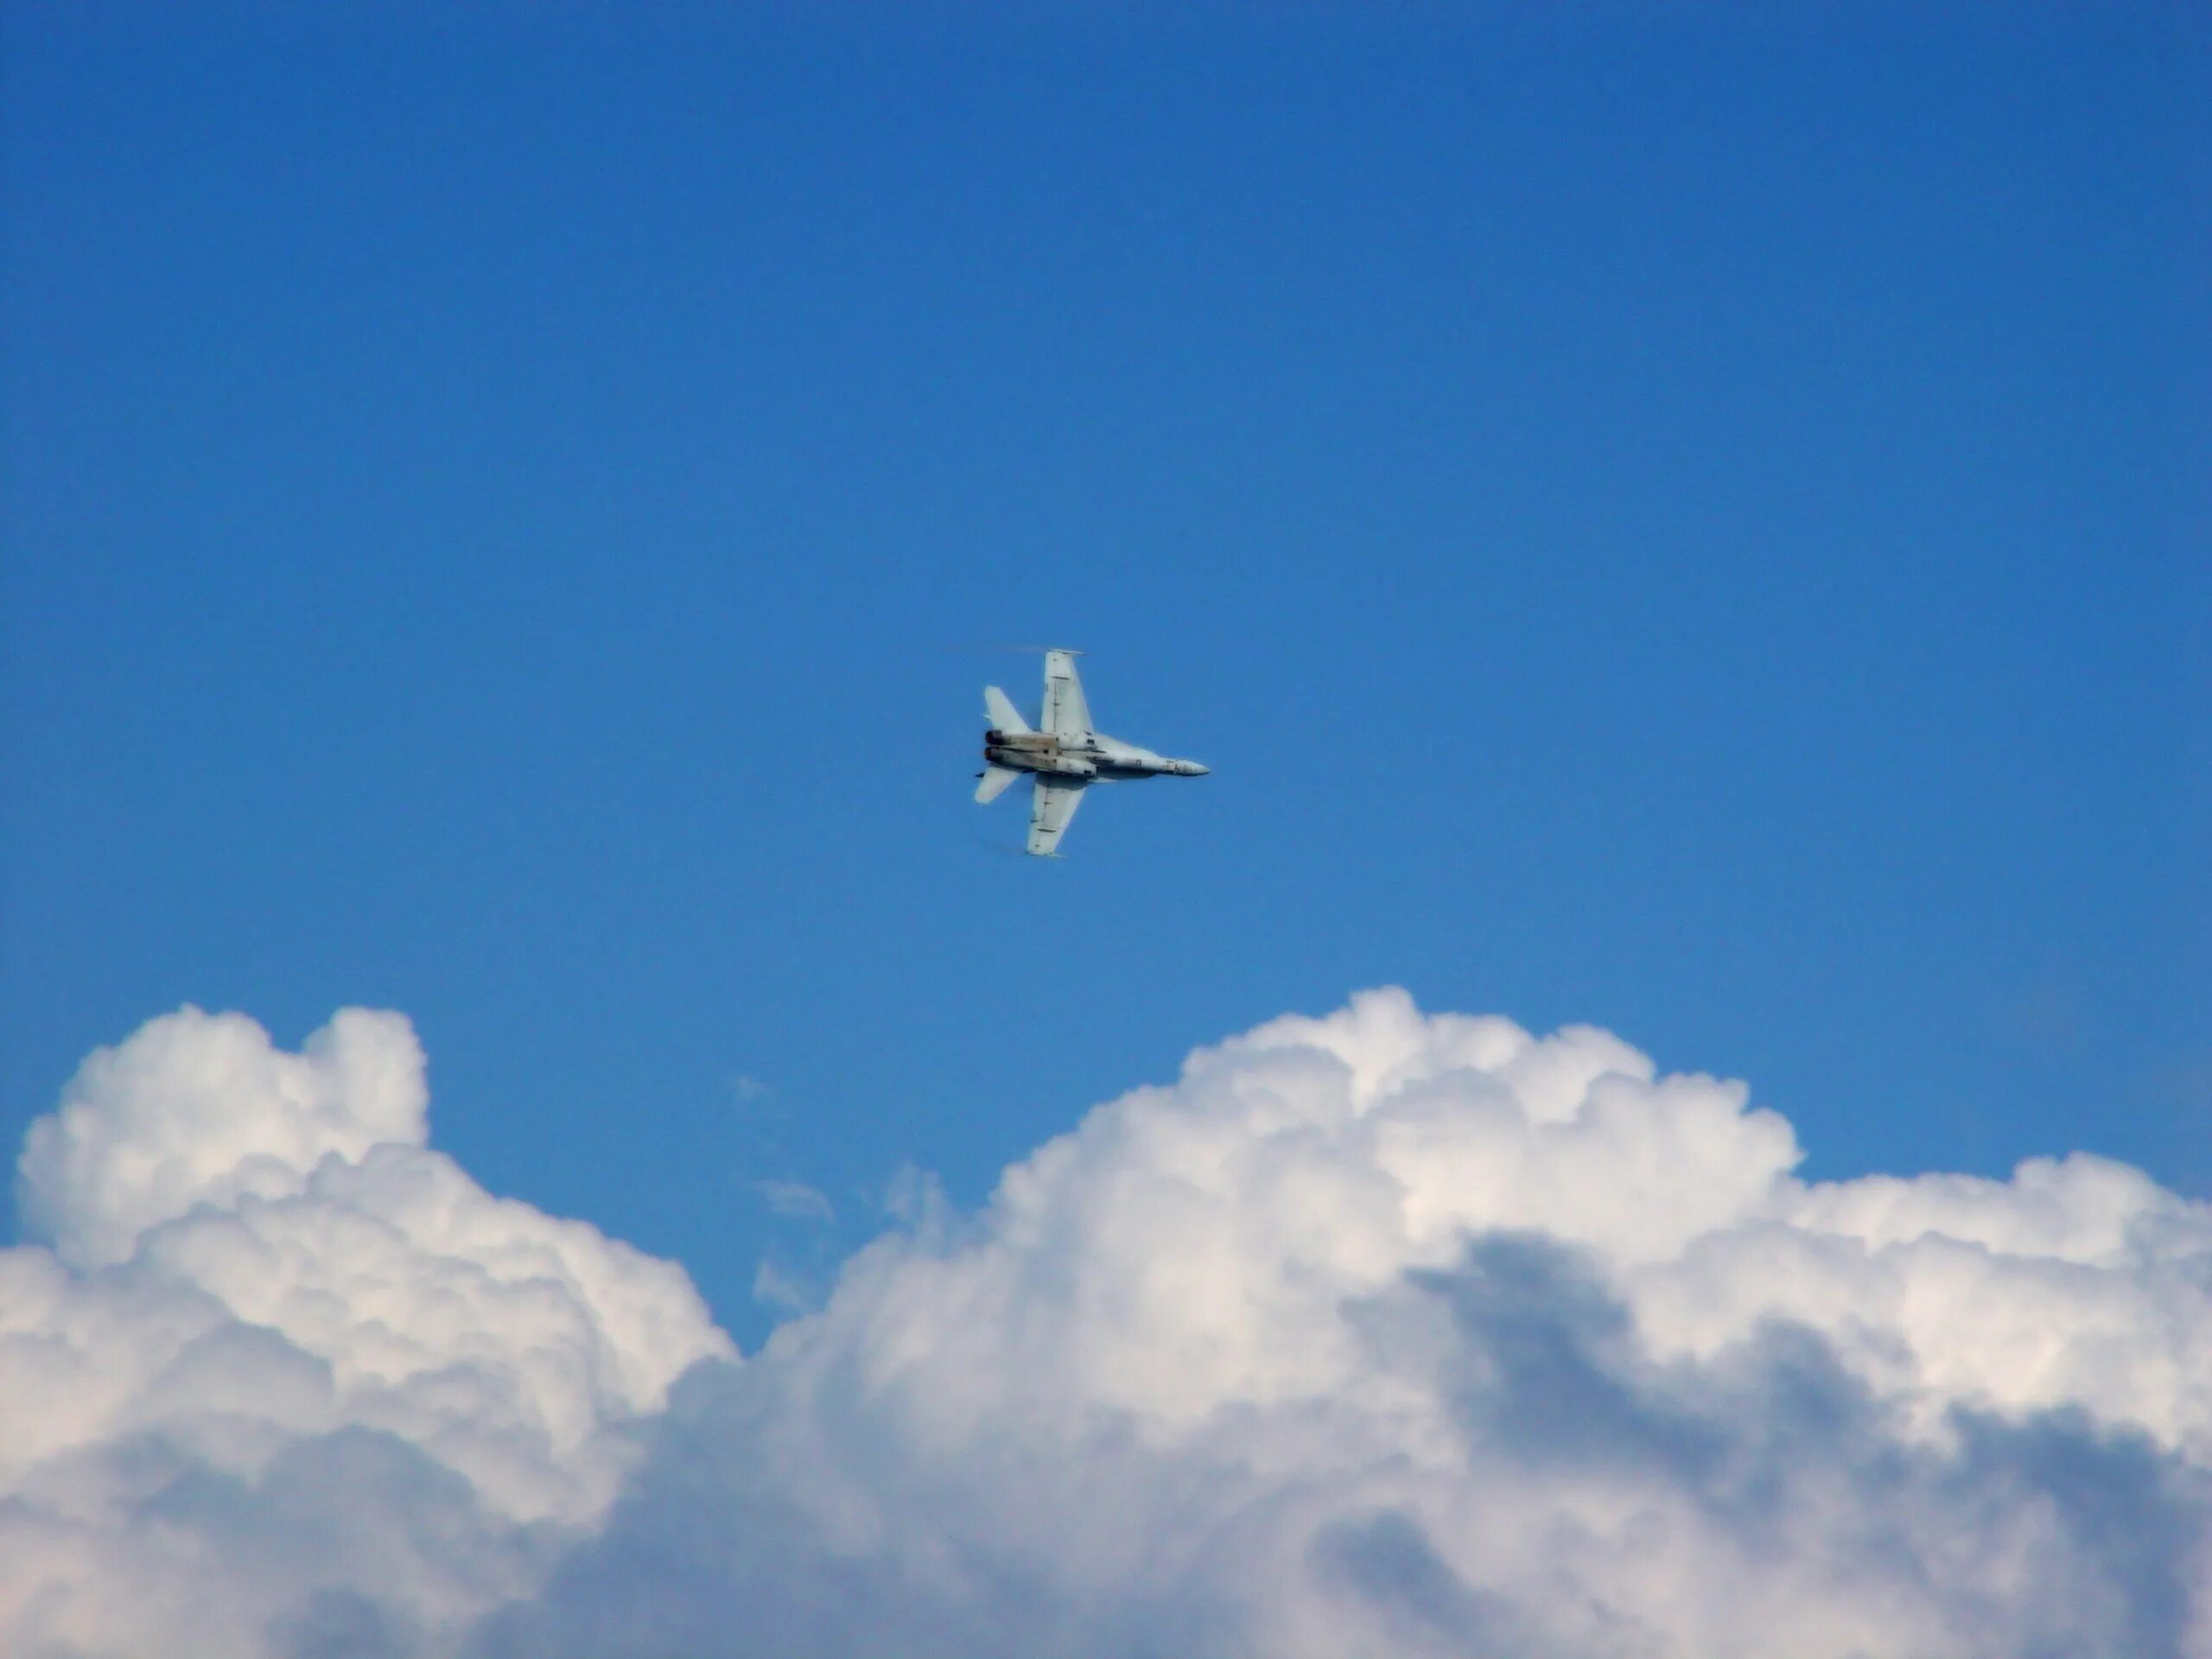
(1195, 770)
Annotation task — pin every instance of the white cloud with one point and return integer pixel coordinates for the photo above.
(203, 1108)
(280, 1349)
(1380, 1332)
(795, 1200)
(777, 1286)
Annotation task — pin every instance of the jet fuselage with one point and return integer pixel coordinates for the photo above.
(1093, 756)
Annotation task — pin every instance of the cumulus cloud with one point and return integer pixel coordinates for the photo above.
(279, 1372)
(1381, 1333)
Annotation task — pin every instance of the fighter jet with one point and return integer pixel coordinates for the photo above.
(1063, 752)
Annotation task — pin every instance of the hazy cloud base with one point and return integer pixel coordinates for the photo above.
(1381, 1333)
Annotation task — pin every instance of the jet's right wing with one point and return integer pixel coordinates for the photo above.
(1050, 814)
(1067, 713)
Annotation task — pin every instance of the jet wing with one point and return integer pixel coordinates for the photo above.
(1067, 713)
(1050, 814)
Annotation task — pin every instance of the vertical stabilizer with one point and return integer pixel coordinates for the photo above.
(998, 710)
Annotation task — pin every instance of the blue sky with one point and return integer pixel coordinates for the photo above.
(1680, 519)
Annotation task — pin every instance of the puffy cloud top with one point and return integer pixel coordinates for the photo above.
(258, 1267)
(202, 1108)
(1380, 1332)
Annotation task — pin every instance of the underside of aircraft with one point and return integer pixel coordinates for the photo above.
(1064, 752)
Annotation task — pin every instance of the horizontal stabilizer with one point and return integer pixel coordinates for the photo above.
(995, 780)
(998, 710)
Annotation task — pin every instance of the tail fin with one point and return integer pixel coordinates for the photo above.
(998, 710)
(995, 779)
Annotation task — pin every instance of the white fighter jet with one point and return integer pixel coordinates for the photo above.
(1065, 754)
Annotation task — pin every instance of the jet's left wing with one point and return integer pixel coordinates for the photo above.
(1050, 814)
(1067, 713)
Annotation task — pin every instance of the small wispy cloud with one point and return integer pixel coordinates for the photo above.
(796, 1200)
(777, 1288)
(914, 1199)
